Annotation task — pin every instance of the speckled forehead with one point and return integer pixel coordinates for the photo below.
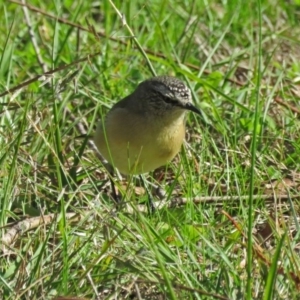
(180, 89)
(170, 86)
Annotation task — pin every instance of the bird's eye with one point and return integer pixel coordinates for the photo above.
(169, 100)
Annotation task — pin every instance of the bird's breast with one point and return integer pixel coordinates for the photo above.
(136, 144)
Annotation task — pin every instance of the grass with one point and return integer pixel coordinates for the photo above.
(58, 77)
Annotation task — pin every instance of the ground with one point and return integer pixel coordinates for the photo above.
(227, 219)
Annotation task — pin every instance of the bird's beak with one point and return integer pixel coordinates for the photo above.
(191, 107)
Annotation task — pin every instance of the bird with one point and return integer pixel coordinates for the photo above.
(145, 130)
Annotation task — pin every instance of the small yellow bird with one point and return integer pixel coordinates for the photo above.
(145, 130)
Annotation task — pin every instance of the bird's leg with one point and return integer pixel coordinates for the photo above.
(150, 202)
(111, 172)
(114, 191)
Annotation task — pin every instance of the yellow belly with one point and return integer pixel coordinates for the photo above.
(137, 145)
